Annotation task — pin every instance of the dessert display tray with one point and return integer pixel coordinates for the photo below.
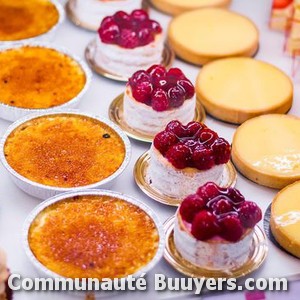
(15, 205)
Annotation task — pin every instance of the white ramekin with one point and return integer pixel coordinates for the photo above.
(44, 37)
(50, 274)
(13, 113)
(44, 191)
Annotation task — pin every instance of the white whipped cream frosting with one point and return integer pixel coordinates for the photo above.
(124, 61)
(3, 272)
(173, 182)
(144, 118)
(91, 12)
(215, 254)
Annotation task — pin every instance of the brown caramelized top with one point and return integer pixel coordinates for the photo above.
(93, 237)
(21, 19)
(37, 77)
(64, 150)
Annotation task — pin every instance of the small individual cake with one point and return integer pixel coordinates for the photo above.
(285, 218)
(266, 149)
(26, 19)
(225, 88)
(128, 43)
(206, 34)
(155, 97)
(281, 14)
(214, 227)
(91, 12)
(176, 7)
(293, 37)
(184, 157)
(5, 291)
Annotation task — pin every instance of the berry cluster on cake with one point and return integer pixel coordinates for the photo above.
(214, 227)
(155, 97)
(129, 42)
(91, 12)
(183, 157)
(5, 291)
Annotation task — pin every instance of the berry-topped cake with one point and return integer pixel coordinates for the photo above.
(184, 157)
(155, 97)
(214, 227)
(128, 42)
(91, 12)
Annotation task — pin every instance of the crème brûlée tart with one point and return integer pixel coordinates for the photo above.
(93, 236)
(266, 150)
(206, 34)
(64, 150)
(239, 88)
(36, 77)
(285, 218)
(26, 19)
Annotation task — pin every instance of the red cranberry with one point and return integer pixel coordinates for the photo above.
(203, 158)
(207, 136)
(179, 156)
(221, 149)
(176, 96)
(190, 206)
(109, 33)
(128, 39)
(139, 15)
(250, 214)
(142, 92)
(208, 191)
(155, 26)
(222, 206)
(177, 128)
(160, 101)
(164, 140)
(204, 226)
(157, 71)
(122, 18)
(235, 195)
(138, 77)
(194, 128)
(231, 228)
(145, 36)
(188, 87)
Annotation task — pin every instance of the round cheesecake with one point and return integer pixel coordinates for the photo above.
(237, 89)
(266, 150)
(214, 228)
(285, 218)
(229, 34)
(176, 7)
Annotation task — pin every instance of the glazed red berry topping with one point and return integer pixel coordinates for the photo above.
(171, 87)
(206, 148)
(215, 211)
(129, 30)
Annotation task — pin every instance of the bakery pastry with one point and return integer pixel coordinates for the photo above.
(93, 236)
(127, 43)
(237, 89)
(266, 150)
(285, 218)
(214, 228)
(229, 34)
(37, 77)
(26, 19)
(176, 7)
(64, 150)
(155, 97)
(184, 157)
(293, 31)
(91, 12)
(281, 14)
(5, 291)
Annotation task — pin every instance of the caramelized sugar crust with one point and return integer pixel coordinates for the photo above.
(93, 236)
(37, 77)
(21, 19)
(64, 150)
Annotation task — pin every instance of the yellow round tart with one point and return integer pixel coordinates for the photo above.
(203, 35)
(285, 218)
(64, 150)
(266, 150)
(93, 236)
(26, 19)
(237, 89)
(176, 7)
(38, 77)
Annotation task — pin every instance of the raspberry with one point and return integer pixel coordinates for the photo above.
(177, 128)
(122, 18)
(179, 156)
(175, 74)
(194, 128)
(157, 71)
(128, 39)
(139, 15)
(160, 101)
(221, 149)
(164, 140)
(204, 226)
(145, 36)
(235, 195)
(203, 158)
(231, 228)
(109, 31)
(190, 206)
(207, 136)
(222, 206)
(142, 92)
(176, 95)
(138, 77)
(155, 26)
(208, 191)
(188, 87)
(250, 214)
